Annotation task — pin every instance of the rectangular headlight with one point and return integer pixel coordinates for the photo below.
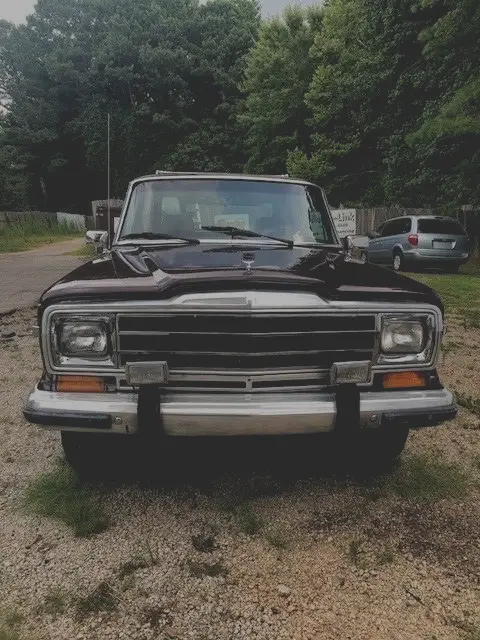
(402, 336)
(82, 339)
(82, 342)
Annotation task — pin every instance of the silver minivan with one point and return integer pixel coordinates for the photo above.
(428, 241)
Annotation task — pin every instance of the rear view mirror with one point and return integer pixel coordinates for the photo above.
(348, 244)
(98, 238)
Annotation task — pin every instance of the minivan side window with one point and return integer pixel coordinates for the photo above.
(437, 225)
(387, 229)
(397, 227)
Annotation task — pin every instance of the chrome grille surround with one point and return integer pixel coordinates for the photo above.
(301, 370)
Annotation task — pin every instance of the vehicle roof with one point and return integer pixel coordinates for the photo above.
(175, 175)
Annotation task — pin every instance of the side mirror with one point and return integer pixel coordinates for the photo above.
(348, 244)
(98, 238)
(373, 234)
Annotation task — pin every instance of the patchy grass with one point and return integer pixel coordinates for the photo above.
(131, 566)
(102, 599)
(468, 402)
(460, 293)
(204, 542)
(449, 347)
(87, 251)
(10, 623)
(33, 233)
(356, 553)
(247, 520)
(385, 556)
(59, 494)
(277, 539)
(204, 569)
(153, 616)
(426, 478)
(55, 603)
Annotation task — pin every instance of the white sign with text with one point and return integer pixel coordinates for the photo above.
(345, 222)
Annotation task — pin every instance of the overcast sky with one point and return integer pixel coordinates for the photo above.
(16, 10)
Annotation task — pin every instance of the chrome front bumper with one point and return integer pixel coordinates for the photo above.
(233, 414)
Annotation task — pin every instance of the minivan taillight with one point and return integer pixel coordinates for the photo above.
(413, 240)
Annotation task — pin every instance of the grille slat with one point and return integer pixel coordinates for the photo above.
(257, 344)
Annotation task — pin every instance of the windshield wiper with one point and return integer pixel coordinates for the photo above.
(235, 232)
(149, 235)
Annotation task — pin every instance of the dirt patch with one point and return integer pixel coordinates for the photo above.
(273, 550)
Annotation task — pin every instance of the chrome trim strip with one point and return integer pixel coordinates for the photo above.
(231, 414)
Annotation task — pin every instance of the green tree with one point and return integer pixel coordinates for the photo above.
(279, 71)
(446, 143)
(370, 84)
(166, 70)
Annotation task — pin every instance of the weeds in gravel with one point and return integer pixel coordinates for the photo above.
(277, 539)
(10, 622)
(356, 554)
(203, 569)
(131, 566)
(468, 402)
(55, 603)
(154, 615)
(102, 599)
(153, 553)
(449, 347)
(426, 478)
(247, 520)
(385, 556)
(59, 494)
(205, 541)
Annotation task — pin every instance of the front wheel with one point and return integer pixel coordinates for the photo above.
(91, 455)
(373, 449)
(383, 445)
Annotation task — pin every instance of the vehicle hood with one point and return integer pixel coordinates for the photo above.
(161, 272)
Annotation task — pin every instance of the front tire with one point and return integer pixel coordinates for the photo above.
(90, 455)
(373, 449)
(384, 445)
(398, 261)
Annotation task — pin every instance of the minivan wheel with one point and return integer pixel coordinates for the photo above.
(398, 261)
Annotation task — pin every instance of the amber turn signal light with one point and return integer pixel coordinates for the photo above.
(80, 384)
(405, 380)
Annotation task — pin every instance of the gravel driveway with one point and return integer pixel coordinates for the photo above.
(25, 276)
(243, 546)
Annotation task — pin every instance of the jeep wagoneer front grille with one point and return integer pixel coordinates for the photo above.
(254, 352)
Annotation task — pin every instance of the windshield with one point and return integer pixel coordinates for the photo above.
(200, 209)
(436, 225)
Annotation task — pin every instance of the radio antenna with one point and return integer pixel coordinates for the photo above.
(108, 180)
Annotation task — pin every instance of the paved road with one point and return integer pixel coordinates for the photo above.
(25, 276)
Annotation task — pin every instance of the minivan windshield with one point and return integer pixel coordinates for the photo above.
(204, 209)
(439, 226)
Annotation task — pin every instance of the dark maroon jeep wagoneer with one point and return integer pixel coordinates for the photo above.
(226, 305)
